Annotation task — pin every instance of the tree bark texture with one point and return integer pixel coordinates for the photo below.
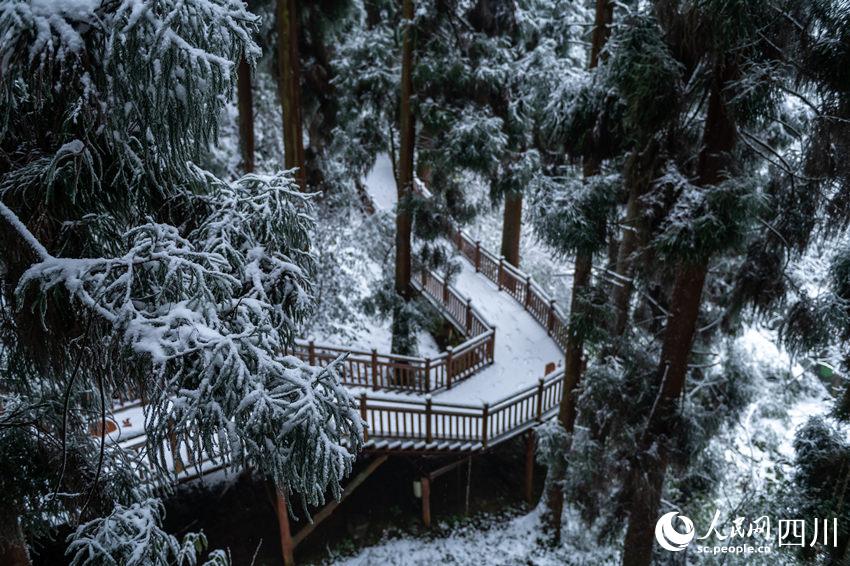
(289, 71)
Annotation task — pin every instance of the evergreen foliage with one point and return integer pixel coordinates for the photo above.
(127, 269)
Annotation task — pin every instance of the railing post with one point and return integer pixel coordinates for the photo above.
(427, 375)
(550, 324)
(492, 345)
(445, 291)
(540, 400)
(425, 279)
(468, 316)
(477, 256)
(376, 379)
(527, 291)
(363, 416)
(428, 412)
(449, 367)
(501, 271)
(485, 414)
(311, 352)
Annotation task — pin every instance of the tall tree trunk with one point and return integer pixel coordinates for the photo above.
(650, 466)
(623, 285)
(639, 172)
(289, 71)
(574, 356)
(13, 550)
(512, 228)
(573, 361)
(404, 183)
(245, 101)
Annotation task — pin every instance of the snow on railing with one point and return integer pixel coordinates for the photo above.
(517, 284)
(415, 374)
(425, 424)
(432, 424)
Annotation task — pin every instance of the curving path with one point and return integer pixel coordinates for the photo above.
(496, 389)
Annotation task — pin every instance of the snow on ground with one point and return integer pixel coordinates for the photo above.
(499, 542)
(381, 183)
(375, 333)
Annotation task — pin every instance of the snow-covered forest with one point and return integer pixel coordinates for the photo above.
(351, 282)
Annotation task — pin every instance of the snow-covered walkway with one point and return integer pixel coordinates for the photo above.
(523, 349)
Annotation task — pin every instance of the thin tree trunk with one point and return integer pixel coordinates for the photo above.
(245, 102)
(647, 476)
(623, 285)
(512, 228)
(650, 466)
(639, 172)
(404, 185)
(574, 356)
(405, 159)
(289, 70)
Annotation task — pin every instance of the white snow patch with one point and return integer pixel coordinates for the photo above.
(380, 182)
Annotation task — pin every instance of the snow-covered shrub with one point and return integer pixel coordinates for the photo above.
(131, 536)
(125, 268)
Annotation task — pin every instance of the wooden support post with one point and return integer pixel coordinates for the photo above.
(363, 416)
(311, 352)
(540, 400)
(527, 291)
(326, 511)
(286, 544)
(445, 292)
(376, 378)
(468, 316)
(477, 256)
(550, 324)
(427, 375)
(426, 501)
(501, 273)
(428, 412)
(529, 467)
(491, 345)
(449, 364)
(485, 418)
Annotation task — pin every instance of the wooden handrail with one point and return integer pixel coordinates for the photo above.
(416, 374)
(423, 422)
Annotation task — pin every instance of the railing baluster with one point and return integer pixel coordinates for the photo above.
(449, 369)
(428, 432)
(311, 352)
(363, 416)
(376, 383)
(485, 413)
(551, 322)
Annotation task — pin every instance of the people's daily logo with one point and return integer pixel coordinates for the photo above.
(675, 532)
(669, 537)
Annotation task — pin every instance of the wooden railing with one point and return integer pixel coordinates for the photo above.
(412, 424)
(478, 426)
(415, 374)
(424, 424)
(517, 284)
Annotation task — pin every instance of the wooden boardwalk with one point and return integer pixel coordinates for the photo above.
(399, 397)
